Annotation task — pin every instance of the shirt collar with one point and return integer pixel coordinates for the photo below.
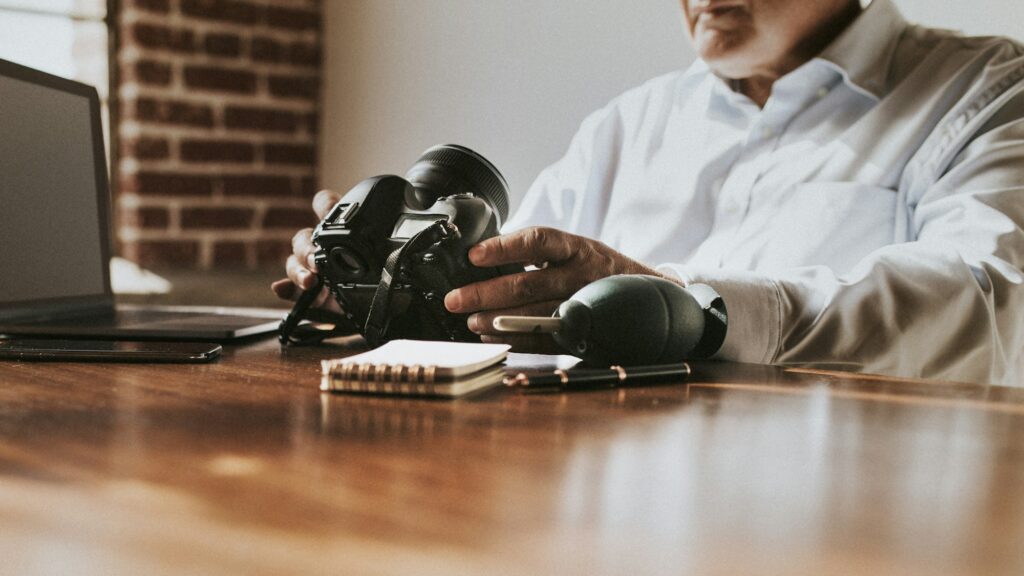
(861, 56)
(862, 53)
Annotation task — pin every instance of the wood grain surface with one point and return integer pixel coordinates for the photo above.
(243, 467)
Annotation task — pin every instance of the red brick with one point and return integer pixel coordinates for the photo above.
(233, 254)
(216, 218)
(146, 148)
(149, 72)
(304, 54)
(228, 45)
(262, 119)
(263, 49)
(257, 185)
(301, 154)
(168, 184)
(158, 6)
(292, 19)
(223, 10)
(289, 218)
(167, 252)
(173, 112)
(219, 79)
(273, 251)
(196, 150)
(287, 86)
(152, 217)
(162, 37)
(311, 122)
(308, 186)
(149, 217)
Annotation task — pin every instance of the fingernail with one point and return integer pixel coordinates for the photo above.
(311, 261)
(474, 323)
(304, 278)
(453, 301)
(477, 253)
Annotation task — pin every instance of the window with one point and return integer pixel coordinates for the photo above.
(63, 37)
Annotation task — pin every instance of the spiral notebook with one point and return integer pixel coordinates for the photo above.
(417, 368)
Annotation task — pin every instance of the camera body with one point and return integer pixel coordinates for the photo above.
(392, 247)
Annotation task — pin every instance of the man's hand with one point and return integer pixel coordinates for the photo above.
(565, 263)
(300, 266)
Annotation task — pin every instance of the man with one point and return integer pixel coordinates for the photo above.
(852, 185)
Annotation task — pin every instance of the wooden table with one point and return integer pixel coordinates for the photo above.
(244, 467)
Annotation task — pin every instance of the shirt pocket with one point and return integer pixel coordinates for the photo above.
(835, 224)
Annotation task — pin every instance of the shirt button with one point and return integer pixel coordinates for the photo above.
(767, 132)
(822, 92)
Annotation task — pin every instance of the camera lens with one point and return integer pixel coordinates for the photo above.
(451, 169)
(347, 262)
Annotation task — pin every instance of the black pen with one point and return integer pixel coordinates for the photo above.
(596, 378)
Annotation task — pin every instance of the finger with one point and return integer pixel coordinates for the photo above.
(526, 343)
(299, 274)
(304, 249)
(483, 322)
(324, 300)
(324, 201)
(530, 246)
(514, 290)
(285, 289)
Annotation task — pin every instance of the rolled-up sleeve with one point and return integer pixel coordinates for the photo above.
(948, 305)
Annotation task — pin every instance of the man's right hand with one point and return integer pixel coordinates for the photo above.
(300, 267)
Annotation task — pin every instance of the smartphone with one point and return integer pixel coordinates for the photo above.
(106, 351)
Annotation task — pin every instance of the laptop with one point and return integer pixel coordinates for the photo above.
(55, 226)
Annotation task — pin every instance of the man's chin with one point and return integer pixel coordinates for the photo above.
(729, 68)
(728, 57)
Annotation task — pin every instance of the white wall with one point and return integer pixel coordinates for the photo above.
(511, 79)
(975, 17)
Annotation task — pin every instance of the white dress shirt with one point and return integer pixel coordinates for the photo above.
(868, 218)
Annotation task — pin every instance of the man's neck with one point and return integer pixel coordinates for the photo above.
(758, 87)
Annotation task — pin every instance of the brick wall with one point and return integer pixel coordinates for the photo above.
(218, 105)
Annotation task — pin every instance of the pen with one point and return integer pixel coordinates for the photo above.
(596, 378)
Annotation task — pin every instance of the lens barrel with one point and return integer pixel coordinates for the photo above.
(450, 169)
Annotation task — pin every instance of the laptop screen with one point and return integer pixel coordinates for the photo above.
(52, 216)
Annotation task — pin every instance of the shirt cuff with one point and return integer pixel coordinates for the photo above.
(753, 304)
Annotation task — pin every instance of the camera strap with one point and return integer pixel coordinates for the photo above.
(291, 332)
(378, 318)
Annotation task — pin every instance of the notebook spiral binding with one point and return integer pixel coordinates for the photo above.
(377, 378)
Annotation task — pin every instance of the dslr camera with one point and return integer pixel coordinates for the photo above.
(392, 247)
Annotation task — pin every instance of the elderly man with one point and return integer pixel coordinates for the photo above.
(851, 184)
